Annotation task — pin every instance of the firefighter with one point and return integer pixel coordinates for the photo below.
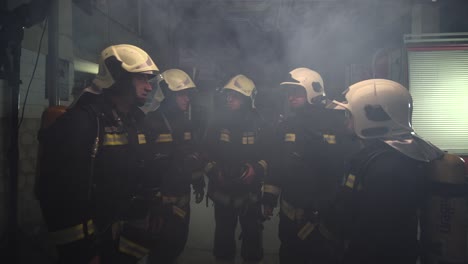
(236, 168)
(385, 186)
(306, 171)
(92, 158)
(173, 136)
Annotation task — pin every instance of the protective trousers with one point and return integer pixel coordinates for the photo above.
(313, 248)
(173, 235)
(67, 253)
(226, 217)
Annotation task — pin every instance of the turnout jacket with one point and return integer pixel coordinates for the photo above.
(176, 159)
(377, 208)
(234, 140)
(77, 190)
(309, 155)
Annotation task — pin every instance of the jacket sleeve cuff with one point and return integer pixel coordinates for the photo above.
(261, 168)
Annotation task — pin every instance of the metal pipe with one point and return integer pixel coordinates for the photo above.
(53, 54)
(12, 49)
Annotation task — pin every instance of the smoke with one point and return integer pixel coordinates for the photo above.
(266, 39)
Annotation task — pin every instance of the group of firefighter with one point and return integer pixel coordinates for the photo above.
(116, 173)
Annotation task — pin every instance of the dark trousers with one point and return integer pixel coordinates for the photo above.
(369, 252)
(226, 218)
(79, 252)
(314, 248)
(173, 236)
(62, 217)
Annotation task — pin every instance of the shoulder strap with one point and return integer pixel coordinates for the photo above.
(94, 150)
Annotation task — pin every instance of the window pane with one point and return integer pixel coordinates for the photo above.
(439, 85)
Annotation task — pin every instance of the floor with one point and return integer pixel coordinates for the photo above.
(196, 256)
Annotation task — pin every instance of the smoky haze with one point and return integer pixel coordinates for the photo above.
(266, 39)
(215, 40)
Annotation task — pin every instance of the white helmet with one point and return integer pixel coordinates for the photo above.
(310, 80)
(240, 83)
(379, 108)
(132, 58)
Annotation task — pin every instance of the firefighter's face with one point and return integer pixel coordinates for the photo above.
(182, 99)
(297, 97)
(234, 100)
(142, 87)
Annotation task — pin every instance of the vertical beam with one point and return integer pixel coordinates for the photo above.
(11, 45)
(53, 52)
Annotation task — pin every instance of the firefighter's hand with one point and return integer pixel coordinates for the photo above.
(267, 212)
(199, 195)
(248, 174)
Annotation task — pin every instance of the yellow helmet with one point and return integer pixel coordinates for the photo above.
(132, 58)
(178, 80)
(172, 80)
(240, 83)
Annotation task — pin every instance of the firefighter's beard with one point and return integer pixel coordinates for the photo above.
(125, 94)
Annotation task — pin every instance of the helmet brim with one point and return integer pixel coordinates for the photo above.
(341, 106)
(292, 83)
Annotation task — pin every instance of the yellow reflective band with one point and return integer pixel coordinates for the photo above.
(290, 137)
(330, 139)
(71, 234)
(115, 139)
(248, 140)
(325, 232)
(291, 212)
(178, 211)
(164, 138)
(131, 248)
(90, 226)
(350, 181)
(306, 230)
(225, 137)
(264, 165)
(267, 188)
(187, 136)
(141, 139)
